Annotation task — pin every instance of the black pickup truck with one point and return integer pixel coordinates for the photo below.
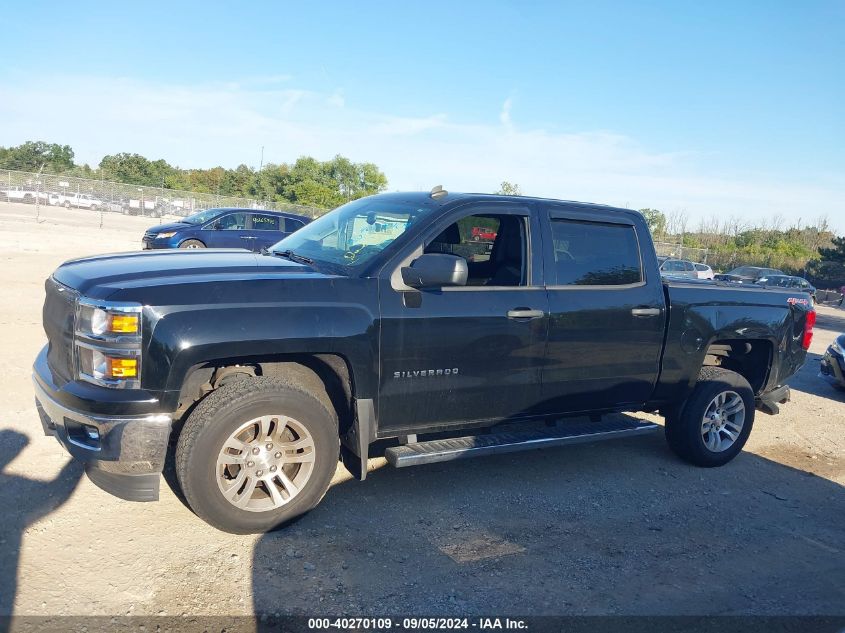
(385, 320)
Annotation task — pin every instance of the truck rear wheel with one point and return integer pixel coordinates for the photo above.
(257, 453)
(714, 423)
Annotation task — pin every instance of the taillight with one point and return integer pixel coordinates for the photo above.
(808, 329)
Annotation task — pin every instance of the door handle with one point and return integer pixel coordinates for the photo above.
(645, 312)
(525, 314)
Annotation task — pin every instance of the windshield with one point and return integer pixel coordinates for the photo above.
(201, 217)
(353, 234)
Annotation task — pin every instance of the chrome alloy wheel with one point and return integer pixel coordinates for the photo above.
(265, 463)
(722, 421)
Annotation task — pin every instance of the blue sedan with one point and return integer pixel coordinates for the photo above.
(251, 229)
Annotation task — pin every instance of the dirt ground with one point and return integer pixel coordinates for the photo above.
(610, 528)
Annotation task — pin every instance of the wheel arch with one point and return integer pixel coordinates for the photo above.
(191, 239)
(751, 358)
(333, 371)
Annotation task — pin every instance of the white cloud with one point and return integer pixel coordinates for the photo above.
(336, 99)
(505, 114)
(217, 123)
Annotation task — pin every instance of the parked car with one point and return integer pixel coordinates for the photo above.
(225, 228)
(788, 281)
(677, 267)
(116, 205)
(26, 195)
(262, 369)
(481, 233)
(703, 271)
(832, 366)
(78, 200)
(747, 274)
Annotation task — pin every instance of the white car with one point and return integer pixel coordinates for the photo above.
(26, 195)
(78, 200)
(703, 271)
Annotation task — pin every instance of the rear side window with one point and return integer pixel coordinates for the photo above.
(700, 267)
(265, 222)
(292, 225)
(595, 254)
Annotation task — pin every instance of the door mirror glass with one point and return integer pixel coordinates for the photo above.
(435, 270)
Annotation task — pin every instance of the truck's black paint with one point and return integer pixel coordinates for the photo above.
(587, 353)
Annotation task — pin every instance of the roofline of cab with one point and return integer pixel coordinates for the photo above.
(289, 214)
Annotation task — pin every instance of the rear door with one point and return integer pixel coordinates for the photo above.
(607, 311)
(265, 230)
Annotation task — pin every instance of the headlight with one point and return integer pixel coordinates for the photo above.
(166, 234)
(108, 321)
(108, 367)
(107, 343)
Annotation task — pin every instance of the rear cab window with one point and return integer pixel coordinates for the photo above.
(594, 253)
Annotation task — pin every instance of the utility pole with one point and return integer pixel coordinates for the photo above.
(38, 194)
(261, 164)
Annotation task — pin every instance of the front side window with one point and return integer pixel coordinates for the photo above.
(232, 222)
(596, 254)
(494, 246)
(265, 222)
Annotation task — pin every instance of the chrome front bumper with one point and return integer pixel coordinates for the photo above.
(123, 455)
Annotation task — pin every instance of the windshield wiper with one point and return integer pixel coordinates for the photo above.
(294, 257)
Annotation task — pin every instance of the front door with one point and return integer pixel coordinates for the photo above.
(228, 231)
(455, 355)
(607, 313)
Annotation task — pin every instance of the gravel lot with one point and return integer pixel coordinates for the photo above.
(611, 528)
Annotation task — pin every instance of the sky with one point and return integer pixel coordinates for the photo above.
(715, 109)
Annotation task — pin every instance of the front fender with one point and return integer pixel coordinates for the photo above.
(186, 336)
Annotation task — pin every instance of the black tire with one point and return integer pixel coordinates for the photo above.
(219, 415)
(684, 425)
(191, 244)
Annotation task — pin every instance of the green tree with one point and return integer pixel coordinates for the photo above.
(33, 155)
(656, 221)
(836, 252)
(509, 189)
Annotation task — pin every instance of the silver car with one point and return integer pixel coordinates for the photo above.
(672, 267)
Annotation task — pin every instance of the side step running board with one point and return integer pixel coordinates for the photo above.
(475, 446)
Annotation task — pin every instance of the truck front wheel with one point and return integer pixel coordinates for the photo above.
(714, 423)
(257, 453)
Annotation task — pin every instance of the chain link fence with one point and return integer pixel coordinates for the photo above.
(678, 251)
(116, 197)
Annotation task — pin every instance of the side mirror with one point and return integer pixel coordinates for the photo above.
(434, 270)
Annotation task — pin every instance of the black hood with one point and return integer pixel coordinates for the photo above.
(100, 276)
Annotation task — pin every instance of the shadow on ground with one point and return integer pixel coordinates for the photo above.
(618, 527)
(24, 501)
(831, 321)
